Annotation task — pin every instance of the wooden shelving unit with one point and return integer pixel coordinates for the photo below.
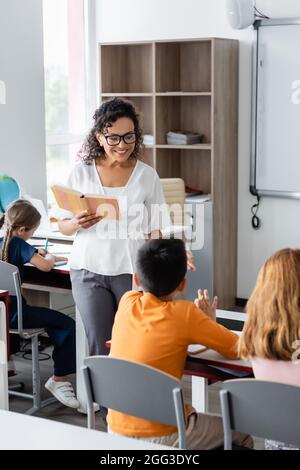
(187, 85)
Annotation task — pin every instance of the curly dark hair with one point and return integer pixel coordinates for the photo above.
(104, 116)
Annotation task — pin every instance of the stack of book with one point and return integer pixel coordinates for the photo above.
(183, 138)
(148, 139)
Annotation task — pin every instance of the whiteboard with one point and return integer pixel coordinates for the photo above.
(275, 162)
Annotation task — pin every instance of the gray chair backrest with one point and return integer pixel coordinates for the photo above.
(10, 280)
(135, 389)
(264, 409)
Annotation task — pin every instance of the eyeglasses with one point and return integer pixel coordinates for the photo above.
(115, 139)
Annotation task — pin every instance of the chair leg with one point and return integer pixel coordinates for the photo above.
(36, 378)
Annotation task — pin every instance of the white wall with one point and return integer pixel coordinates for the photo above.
(137, 20)
(22, 118)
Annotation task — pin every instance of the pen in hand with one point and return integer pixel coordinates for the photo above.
(43, 251)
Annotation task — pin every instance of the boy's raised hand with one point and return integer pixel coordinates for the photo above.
(203, 302)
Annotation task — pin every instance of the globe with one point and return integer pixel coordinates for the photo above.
(9, 191)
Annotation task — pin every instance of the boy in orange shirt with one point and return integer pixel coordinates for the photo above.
(153, 328)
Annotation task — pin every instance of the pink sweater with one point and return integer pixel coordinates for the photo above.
(276, 371)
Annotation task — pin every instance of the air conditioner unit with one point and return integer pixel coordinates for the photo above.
(241, 13)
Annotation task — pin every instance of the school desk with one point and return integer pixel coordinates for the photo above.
(23, 432)
(209, 367)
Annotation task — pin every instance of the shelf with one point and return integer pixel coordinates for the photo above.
(180, 147)
(185, 147)
(126, 68)
(165, 93)
(193, 167)
(187, 85)
(125, 95)
(184, 66)
(183, 93)
(186, 113)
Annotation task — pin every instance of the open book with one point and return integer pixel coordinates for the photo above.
(75, 201)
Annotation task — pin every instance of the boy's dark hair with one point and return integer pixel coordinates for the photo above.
(161, 266)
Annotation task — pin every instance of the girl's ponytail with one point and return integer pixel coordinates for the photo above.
(20, 213)
(5, 247)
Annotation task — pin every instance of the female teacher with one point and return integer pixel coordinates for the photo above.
(102, 258)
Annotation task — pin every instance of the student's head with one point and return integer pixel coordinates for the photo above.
(116, 134)
(161, 267)
(273, 309)
(21, 220)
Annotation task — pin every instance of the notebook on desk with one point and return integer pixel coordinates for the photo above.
(60, 263)
(194, 349)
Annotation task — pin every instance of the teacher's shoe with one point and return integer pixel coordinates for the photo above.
(63, 392)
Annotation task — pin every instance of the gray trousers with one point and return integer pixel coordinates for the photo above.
(203, 432)
(97, 298)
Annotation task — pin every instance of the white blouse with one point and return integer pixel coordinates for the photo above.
(110, 246)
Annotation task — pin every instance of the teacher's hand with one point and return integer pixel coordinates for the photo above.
(190, 261)
(85, 220)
